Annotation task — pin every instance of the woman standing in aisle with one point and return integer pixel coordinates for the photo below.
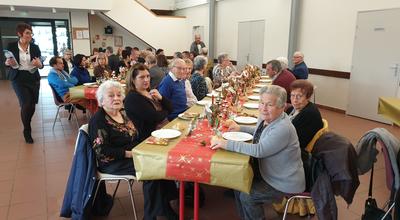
(22, 67)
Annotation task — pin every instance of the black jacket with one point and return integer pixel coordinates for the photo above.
(307, 123)
(23, 76)
(339, 177)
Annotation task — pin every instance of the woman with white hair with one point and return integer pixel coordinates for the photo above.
(278, 168)
(199, 85)
(111, 132)
(223, 70)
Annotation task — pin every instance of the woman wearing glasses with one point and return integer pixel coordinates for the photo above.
(304, 114)
(22, 68)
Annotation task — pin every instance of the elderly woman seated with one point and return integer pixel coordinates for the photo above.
(197, 80)
(223, 70)
(112, 134)
(102, 70)
(278, 169)
(304, 114)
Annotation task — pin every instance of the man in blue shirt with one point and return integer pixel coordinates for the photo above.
(300, 70)
(173, 87)
(60, 80)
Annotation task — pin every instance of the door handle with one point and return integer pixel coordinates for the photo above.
(395, 68)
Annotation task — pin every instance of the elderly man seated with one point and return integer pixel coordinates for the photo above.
(223, 70)
(173, 87)
(300, 69)
(278, 168)
(280, 77)
(61, 81)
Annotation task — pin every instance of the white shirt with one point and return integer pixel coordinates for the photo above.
(190, 97)
(25, 60)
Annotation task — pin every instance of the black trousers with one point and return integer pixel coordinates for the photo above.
(28, 97)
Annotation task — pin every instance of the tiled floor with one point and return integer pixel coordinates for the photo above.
(33, 177)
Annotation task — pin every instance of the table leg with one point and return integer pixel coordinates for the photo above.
(181, 200)
(196, 201)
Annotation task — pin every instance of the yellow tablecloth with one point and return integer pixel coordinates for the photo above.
(77, 92)
(228, 169)
(389, 107)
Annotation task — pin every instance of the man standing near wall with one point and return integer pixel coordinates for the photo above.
(300, 69)
(197, 45)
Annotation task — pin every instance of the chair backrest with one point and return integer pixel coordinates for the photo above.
(321, 131)
(388, 166)
(57, 99)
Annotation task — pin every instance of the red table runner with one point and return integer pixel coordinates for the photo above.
(190, 160)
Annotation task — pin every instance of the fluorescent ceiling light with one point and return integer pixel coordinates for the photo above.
(12, 8)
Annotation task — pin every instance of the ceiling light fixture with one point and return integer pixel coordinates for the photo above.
(12, 8)
(54, 10)
(92, 12)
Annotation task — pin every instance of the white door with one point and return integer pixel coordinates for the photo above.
(376, 62)
(250, 43)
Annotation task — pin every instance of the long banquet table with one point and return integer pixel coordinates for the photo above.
(219, 168)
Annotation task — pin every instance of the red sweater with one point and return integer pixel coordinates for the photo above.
(284, 79)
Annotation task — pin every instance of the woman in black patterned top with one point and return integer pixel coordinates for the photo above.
(112, 133)
(199, 85)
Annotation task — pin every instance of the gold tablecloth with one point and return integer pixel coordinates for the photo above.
(78, 92)
(228, 169)
(389, 107)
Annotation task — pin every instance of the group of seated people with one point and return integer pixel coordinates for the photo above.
(126, 118)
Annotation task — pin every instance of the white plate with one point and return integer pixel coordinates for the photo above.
(264, 77)
(89, 84)
(245, 120)
(251, 105)
(186, 117)
(182, 116)
(215, 93)
(237, 136)
(256, 90)
(219, 89)
(203, 102)
(261, 85)
(166, 133)
(254, 97)
(265, 80)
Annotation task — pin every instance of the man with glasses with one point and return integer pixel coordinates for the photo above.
(280, 77)
(67, 60)
(173, 87)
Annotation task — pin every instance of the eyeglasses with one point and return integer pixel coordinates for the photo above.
(29, 33)
(296, 96)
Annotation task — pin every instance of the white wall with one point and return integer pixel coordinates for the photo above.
(97, 25)
(159, 32)
(79, 19)
(326, 37)
(230, 12)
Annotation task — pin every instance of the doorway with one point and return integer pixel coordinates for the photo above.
(376, 61)
(250, 43)
(51, 35)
